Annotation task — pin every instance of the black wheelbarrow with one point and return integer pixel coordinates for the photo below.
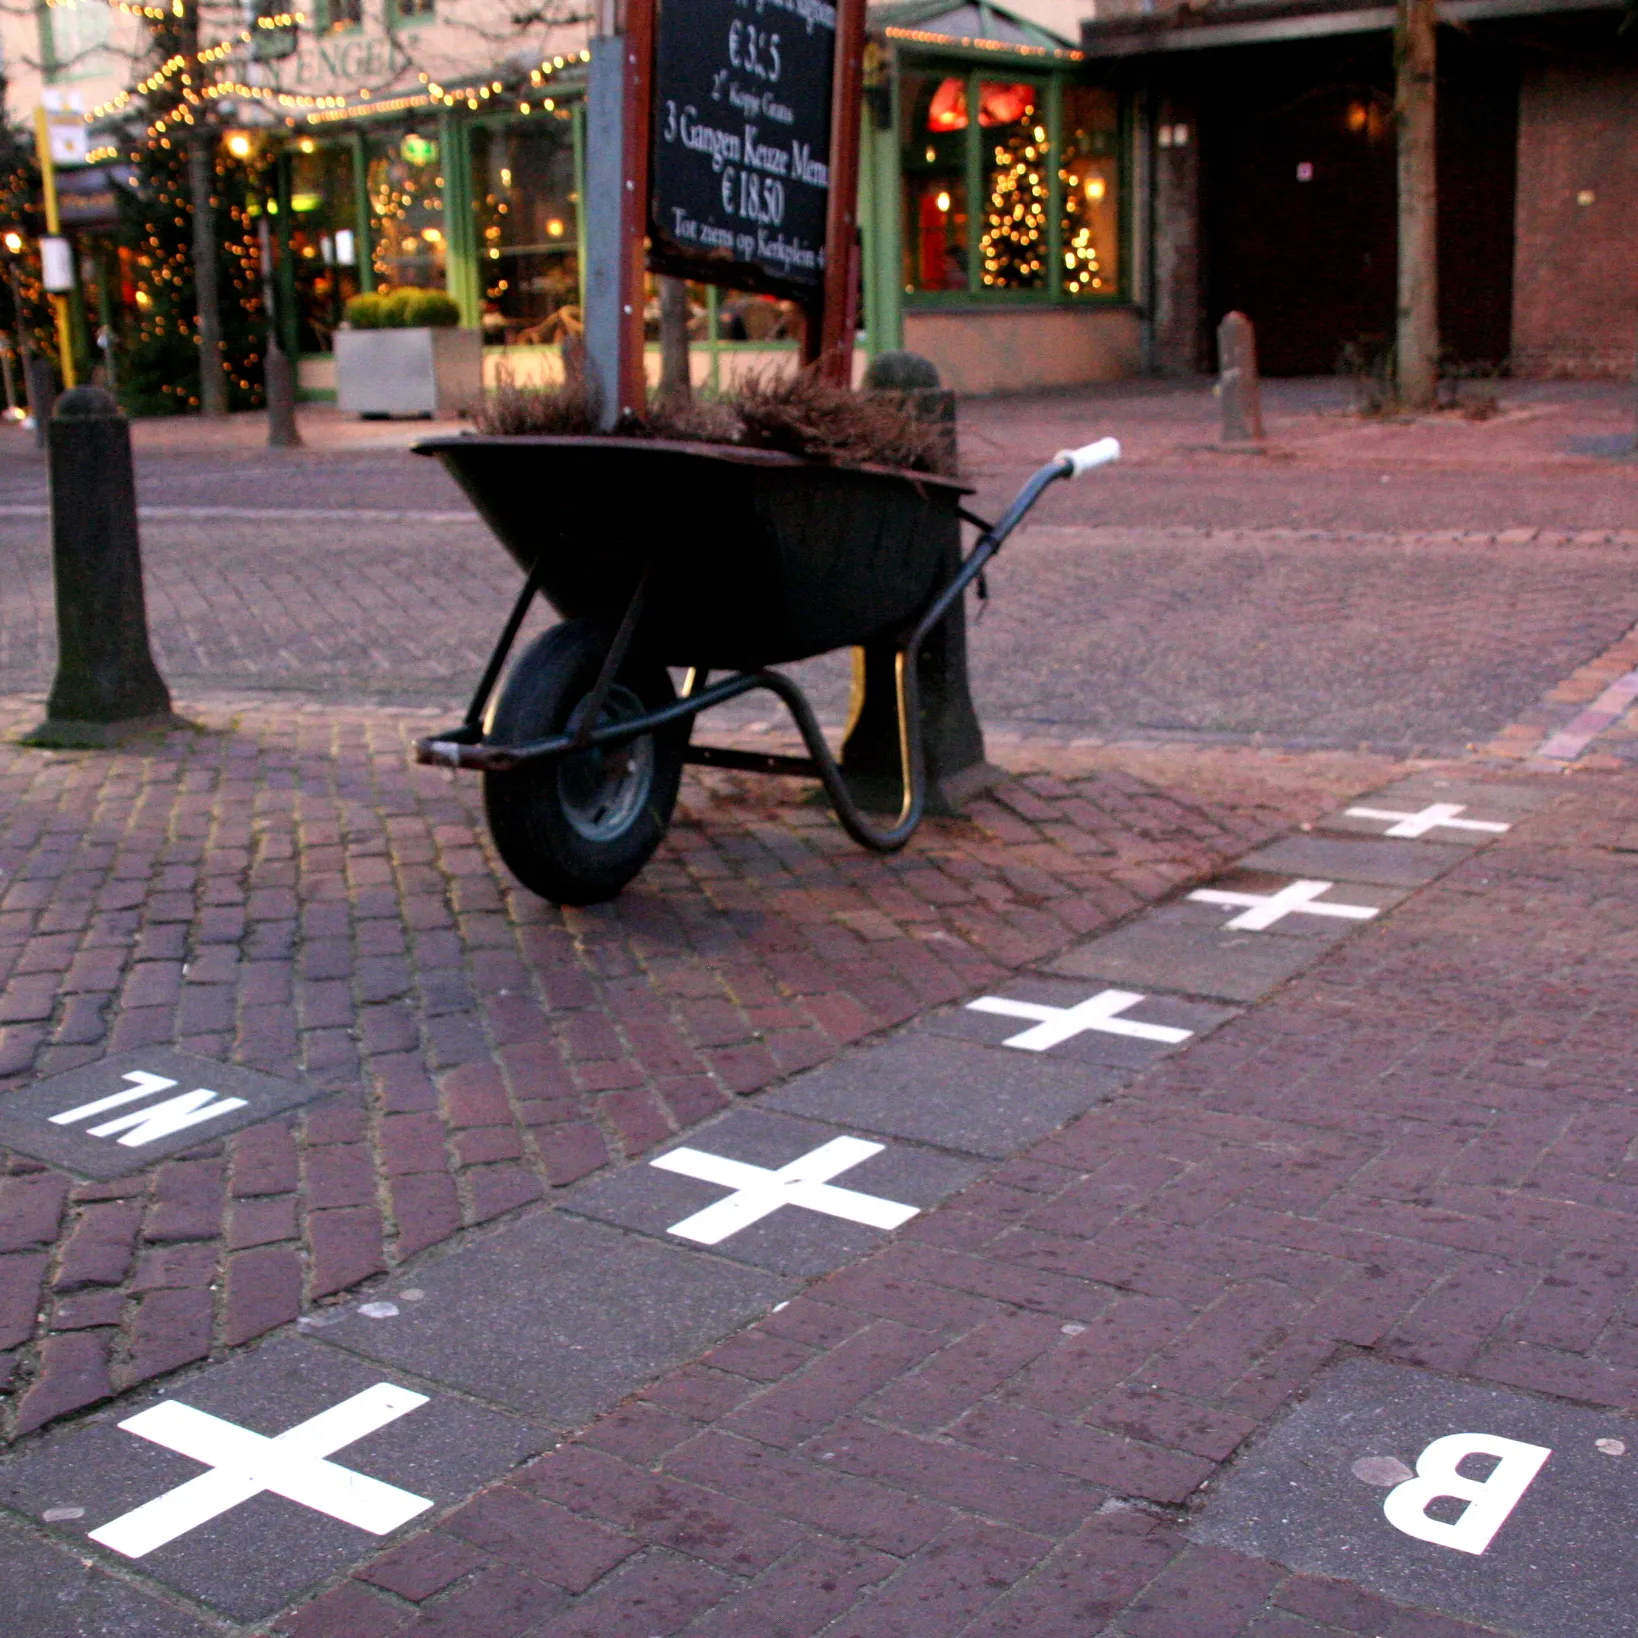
(700, 558)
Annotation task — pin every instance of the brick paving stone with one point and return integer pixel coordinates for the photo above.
(1062, 1402)
(288, 891)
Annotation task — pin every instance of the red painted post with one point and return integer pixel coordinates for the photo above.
(839, 313)
(638, 37)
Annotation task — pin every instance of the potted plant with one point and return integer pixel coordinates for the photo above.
(403, 353)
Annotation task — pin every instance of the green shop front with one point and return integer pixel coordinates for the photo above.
(995, 204)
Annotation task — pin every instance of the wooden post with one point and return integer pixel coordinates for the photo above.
(1416, 108)
(676, 378)
(832, 345)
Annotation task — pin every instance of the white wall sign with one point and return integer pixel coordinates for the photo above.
(243, 1464)
(1055, 1025)
(1489, 1500)
(758, 1191)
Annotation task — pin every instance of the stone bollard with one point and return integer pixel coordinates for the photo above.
(279, 388)
(1238, 385)
(952, 740)
(41, 381)
(107, 686)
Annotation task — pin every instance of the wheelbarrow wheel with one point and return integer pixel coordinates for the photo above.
(575, 829)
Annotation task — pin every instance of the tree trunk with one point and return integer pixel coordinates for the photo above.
(201, 186)
(676, 384)
(201, 177)
(1416, 92)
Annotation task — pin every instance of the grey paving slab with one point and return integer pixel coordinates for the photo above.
(1315, 1495)
(1232, 966)
(47, 1594)
(559, 1317)
(1304, 924)
(1089, 1047)
(959, 1095)
(1504, 800)
(135, 1108)
(1349, 859)
(257, 1556)
(1467, 828)
(791, 1240)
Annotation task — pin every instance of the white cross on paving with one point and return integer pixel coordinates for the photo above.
(1055, 1025)
(1264, 909)
(759, 1192)
(1432, 817)
(244, 1464)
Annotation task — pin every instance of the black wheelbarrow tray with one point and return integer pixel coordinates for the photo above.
(701, 558)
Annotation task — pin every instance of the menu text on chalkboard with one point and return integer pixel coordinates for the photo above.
(741, 127)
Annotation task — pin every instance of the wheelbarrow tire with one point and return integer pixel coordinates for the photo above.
(575, 829)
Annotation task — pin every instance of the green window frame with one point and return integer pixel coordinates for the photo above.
(980, 161)
(406, 14)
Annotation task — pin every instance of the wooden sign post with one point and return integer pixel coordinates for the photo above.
(736, 134)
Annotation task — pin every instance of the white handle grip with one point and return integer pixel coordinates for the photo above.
(1090, 455)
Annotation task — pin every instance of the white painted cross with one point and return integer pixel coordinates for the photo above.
(1055, 1025)
(158, 1120)
(244, 1464)
(759, 1192)
(1262, 910)
(1432, 817)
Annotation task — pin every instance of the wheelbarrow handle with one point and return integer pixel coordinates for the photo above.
(1088, 456)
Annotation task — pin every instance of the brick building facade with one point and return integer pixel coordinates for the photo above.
(1266, 134)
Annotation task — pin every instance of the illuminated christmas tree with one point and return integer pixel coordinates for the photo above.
(1083, 270)
(1013, 243)
(158, 368)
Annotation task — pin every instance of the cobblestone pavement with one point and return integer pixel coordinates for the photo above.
(1401, 641)
(285, 891)
(1104, 1372)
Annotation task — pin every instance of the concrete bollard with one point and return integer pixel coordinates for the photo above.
(279, 388)
(107, 686)
(952, 740)
(1238, 385)
(41, 381)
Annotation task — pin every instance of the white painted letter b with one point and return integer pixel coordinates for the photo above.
(1489, 1501)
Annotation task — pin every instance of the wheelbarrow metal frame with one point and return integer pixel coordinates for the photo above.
(465, 747)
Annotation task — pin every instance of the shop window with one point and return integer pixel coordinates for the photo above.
(1024, 201)
(404, 12)
(323, 240)
(341, 15)
(1012, 245)
(406, 186)
(1090, 177)
(935, 182)
(527, 229)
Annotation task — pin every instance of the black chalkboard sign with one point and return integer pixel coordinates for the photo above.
(741, 134)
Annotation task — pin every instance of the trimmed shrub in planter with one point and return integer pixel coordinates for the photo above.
(400, 353)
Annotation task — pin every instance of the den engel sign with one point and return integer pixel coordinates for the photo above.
(741, 131)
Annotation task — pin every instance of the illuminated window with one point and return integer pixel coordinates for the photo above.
(1026, 202)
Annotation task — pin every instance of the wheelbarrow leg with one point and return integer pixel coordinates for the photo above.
(952, 740)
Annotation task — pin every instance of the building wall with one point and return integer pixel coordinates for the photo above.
(1176, 249)
(1575, 276)
(1012, 349)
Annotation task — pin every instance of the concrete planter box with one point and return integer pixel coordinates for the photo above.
(408, 372)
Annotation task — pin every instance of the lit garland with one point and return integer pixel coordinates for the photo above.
(474, 96)
(1013, 244)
